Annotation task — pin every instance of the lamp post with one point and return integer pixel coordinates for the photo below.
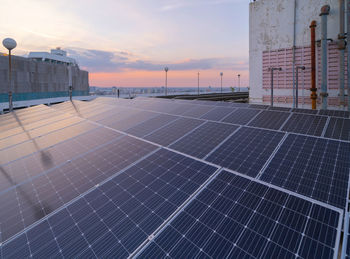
(239, 82)
(166, 69)
(10, 44)
(221, 74)
(198, 83)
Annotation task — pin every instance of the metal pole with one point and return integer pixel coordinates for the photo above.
(313, 88)
(294, 47)
(348, 48)
(10, 83)
(297, 85)
(198, 83)
(166, 82)
(239, 82)
(324, 12)
(341, 47)
(221, 84)
(272, 87)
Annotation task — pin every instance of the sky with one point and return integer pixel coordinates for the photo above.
(129, 42)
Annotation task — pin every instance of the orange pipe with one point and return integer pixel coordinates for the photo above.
(313, 88)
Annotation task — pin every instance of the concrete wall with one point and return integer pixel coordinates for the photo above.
(271, 28)
(35, 80)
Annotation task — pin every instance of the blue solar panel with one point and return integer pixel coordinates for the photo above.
(241, 116)
(338, 128)
(270, 119)
(172, 132)
(305, 124)
(114, 218)
(282, 109)
(27, 202)
(315, 167)
(334, 113)
(198, 111)
(217, 113)
(234, 217)
(151, 125)
(204, 139)
(305, 111)
(247, 150)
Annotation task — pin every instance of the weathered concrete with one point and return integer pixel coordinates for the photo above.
(271, 28)
(40, 79)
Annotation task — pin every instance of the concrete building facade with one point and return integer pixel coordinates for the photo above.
(272, 27)
(33, 79)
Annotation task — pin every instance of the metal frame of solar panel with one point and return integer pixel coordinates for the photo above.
(84, 190)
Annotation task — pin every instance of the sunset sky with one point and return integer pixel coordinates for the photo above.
(129, 42)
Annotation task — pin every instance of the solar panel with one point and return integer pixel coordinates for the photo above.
(314, 167)
(258, 106)
(305, 111)
(241, 116)
(282, 109)
(234, 217)
(198, 111)
(305, 124)
(270, 119)
(247, 150)
(129, 121)
(115, 218)
(204, 139)
(334, 113)
(338, 128)
(31, 200)
(217, 113)
(151, 125)
(173, 131)
(183, 108)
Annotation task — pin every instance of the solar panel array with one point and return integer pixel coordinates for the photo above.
(156, 178)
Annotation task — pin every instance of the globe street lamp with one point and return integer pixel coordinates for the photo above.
(10, 44)
(166, 69)
(221, 74)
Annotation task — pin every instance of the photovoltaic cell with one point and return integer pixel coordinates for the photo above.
(198, 111)
(282, 109)
(115, 218)
(269, 119)
(234, 217)
(314, 167)
(305, 111)
(241, 116)
(172, 132)
(305, 124)
(217, 113)
(247, 150)
(29, 201)
(204, 139)
(258, 106)
(334, 113)
(338, 128)
(151, 125)
(183, 108)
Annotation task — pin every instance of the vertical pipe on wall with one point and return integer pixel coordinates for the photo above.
(324, 13)
(313, 88)
(294, 43)
(348, 47)
(341, 47)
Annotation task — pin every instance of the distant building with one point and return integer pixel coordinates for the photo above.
(41, 76)
(271, 30)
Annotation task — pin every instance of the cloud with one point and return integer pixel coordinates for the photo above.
(107, 61)
(172, 5)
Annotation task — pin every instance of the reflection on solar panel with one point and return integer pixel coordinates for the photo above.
(173, 131)
(269, 119)
(237, 218)
(105, 185)
(247, 150)
(204, 139)
(115, 218)
(338, 128)
(39, 196)
(241, 116)
(305, 124)
(217, 113)
(318, 168)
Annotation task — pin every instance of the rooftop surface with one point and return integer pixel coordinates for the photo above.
(154, 178)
